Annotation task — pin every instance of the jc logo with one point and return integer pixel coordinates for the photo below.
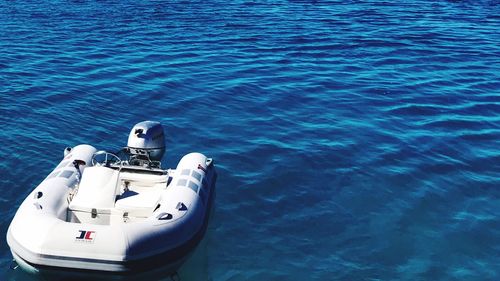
(85, 235)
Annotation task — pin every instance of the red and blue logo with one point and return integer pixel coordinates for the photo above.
(86, 236)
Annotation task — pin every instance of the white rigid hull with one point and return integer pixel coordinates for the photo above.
(50, 231)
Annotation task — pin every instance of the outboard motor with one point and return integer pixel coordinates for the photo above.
(146, 142)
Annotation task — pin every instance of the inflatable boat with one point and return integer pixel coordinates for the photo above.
(115, 214)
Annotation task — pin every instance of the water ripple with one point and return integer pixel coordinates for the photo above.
(355, 140)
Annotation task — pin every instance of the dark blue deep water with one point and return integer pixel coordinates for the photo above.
(355, 140)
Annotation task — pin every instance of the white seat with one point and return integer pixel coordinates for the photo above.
(97, 190)
(140, 204)
(140, 179)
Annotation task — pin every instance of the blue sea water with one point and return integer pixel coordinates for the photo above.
(355, 140)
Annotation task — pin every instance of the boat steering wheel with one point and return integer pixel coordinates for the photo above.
(104, 158)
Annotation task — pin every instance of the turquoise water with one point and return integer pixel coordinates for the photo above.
(355, 140)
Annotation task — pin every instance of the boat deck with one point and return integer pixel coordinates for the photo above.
(107, 195)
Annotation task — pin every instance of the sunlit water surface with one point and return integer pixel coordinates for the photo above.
(355, 140)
